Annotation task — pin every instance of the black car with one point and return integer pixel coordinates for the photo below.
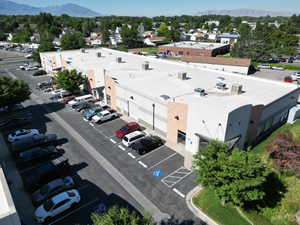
(35, 155)
(81, 106)
(39, 73)
(30, 142)
(15, 122)
(147, 144)
(34, 178)
(52, 188)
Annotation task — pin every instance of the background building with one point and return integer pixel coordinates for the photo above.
(195, 48)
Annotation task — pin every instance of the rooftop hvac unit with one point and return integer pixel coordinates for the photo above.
(201, 91)
(145, 66)
(236, 89)
(119, 59)
(182, 76)
(98, 54)
(82, 50)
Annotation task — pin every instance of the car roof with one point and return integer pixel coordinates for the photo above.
(133, 134)
(131, 124)
(62, 196)
(56, 182)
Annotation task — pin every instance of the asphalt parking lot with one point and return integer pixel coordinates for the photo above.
(160, 174)
(269, 74)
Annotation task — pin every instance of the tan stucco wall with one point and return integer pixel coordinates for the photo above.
(110, 89)
(180, 110)
(91, 78)
(53, 60)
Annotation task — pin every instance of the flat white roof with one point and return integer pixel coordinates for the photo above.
(6, 203)
(162, 79)
(196, 45)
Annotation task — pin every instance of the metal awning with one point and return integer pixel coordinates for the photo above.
(204, 140)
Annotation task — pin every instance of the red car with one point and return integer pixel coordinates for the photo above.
(69, 98)
(128, 128)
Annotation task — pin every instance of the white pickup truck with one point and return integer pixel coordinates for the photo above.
(105, 115)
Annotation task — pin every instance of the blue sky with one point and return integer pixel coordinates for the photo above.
(169, 7)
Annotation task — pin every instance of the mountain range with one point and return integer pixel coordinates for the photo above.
(244, 12)
(13, 8)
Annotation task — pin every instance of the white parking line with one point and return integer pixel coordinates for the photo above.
(92, 124)
(170, 156)
(121, 147)
(75, 210)
(179, 193)
(132, 156)
(150, 153)
(85, 119)
(143, 164)
(113, 141)
(178, 177)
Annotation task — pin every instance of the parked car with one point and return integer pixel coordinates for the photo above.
(82, 106)
(80, 99)
(147, 144)
(44, 85)
(23, 133)
(39, 73)
(35, 155)
(295, 75)
(288, 79)
(34, 178)
(52, 188)
(264, 66)
(127, 129)
(90, 112)
(105, 115)
(30, 68)
(30, 142)
(58, 92)
(15, 122)
(277, 68)
(56, 205)
(131, 138)
(69, 98)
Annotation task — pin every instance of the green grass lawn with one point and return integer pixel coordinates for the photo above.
(208, 202)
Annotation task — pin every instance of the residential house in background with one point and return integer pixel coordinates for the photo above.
(228, 38)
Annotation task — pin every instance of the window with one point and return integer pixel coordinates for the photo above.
(181, 137)
(180, 53)
(108, 99)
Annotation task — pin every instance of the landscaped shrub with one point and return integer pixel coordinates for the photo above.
(285, 153)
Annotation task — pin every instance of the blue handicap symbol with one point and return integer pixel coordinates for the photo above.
(101, 208)
(157, 173)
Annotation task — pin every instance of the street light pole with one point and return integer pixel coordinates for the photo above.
(153, 115)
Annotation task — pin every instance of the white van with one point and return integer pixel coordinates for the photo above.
(80, 99)
(129, 139)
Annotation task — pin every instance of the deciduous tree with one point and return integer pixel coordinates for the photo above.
(13, 91)
(69, 80)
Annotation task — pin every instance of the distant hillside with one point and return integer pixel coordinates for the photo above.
(244, 12)
(13, 8)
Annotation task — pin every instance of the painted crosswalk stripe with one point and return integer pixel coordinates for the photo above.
(143, 164)
(92, 124)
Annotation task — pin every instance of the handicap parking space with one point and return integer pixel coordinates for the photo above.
(167, 166)
(156, 156)
(185, 185)
(176, 176)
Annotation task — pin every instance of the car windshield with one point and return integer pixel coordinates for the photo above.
(125, 139)
(124, 129)
(48, 205)
(44, 189)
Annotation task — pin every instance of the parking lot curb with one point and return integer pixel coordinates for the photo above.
(195, 210)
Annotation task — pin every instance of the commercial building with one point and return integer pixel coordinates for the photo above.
(187, 104)
(232, 65)
(190, 48)
(8, 213)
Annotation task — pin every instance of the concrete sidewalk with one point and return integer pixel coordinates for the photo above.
(20, 197)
